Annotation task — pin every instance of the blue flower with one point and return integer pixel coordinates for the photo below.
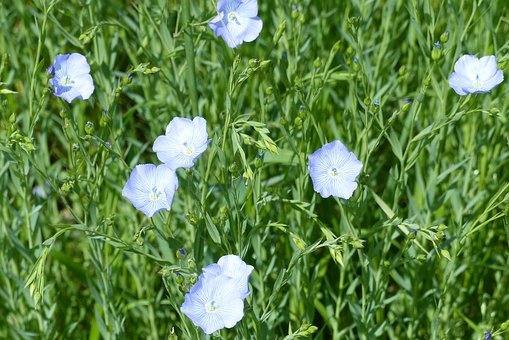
(71, 77)
(333, 170)
(217, 299)
(213, 303)
(151, 188)
(473, 75)
(232, 267)
(184, 142)
(237, 21)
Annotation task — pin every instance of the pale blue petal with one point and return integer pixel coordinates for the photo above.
(494, 81)
(84, 84)
(252, 30)
(144, 179)
(184, 142)
(487, 67)
(334, 155)
(248, 8)
(77, 65)
(67, 93)
(458, 83)
(221, 291)
(168, 150)
(467, 66)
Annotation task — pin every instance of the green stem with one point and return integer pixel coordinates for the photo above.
(189, 48)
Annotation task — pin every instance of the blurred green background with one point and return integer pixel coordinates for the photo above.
(419, 252)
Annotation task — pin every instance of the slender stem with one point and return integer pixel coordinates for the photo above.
(189, 49)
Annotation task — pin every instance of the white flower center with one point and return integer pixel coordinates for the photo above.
(211, 307)
(478, 83)
(66, 81)
(333, 172)
(155, 194)
(188, 149)
(232, 17)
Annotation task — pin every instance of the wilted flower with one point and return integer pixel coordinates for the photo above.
(237, 21)
(151, 188)
(333, 170)
(473, 75)
(71, 77)
(184, 142)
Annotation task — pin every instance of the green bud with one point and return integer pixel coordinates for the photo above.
(444, 37)
(12, 118)
(264, 63)
(494, 111)
(349, 50)
(317, 63)
(297, 122)
(302, 19)
(191, 218)
(336, 47)
(386, 263)
(62, 114)
(179, 279)
(310, 330)
(402, 70)
(233, 169)
(411, 235)
(89, 127)
(421, 258)
(191, 264)
(181, 253)
(504, 326)
(367, 101)
(279, 32)
(253, 62)
(193, 279)
(223, 213)
(356, 66)
(406, 106)
(295, 14)
(283, 121)
(436, 53)
(439, 235)
(442, 227)
(427, 81)
(357, 244)
(67, 186)
(258, 162)
(269, 90)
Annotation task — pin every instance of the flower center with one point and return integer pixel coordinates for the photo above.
(333, 172)
(188, 149)
(211, 307)
(232, 17)
(66, 81)
(477, 83)
(154, 194)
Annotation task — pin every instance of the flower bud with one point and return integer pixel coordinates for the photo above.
(269, 90)
(406, 105)
(279, 32)
(317, 63)
(89, 127)
(264, 64)
(444, 37)
(436, 53)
